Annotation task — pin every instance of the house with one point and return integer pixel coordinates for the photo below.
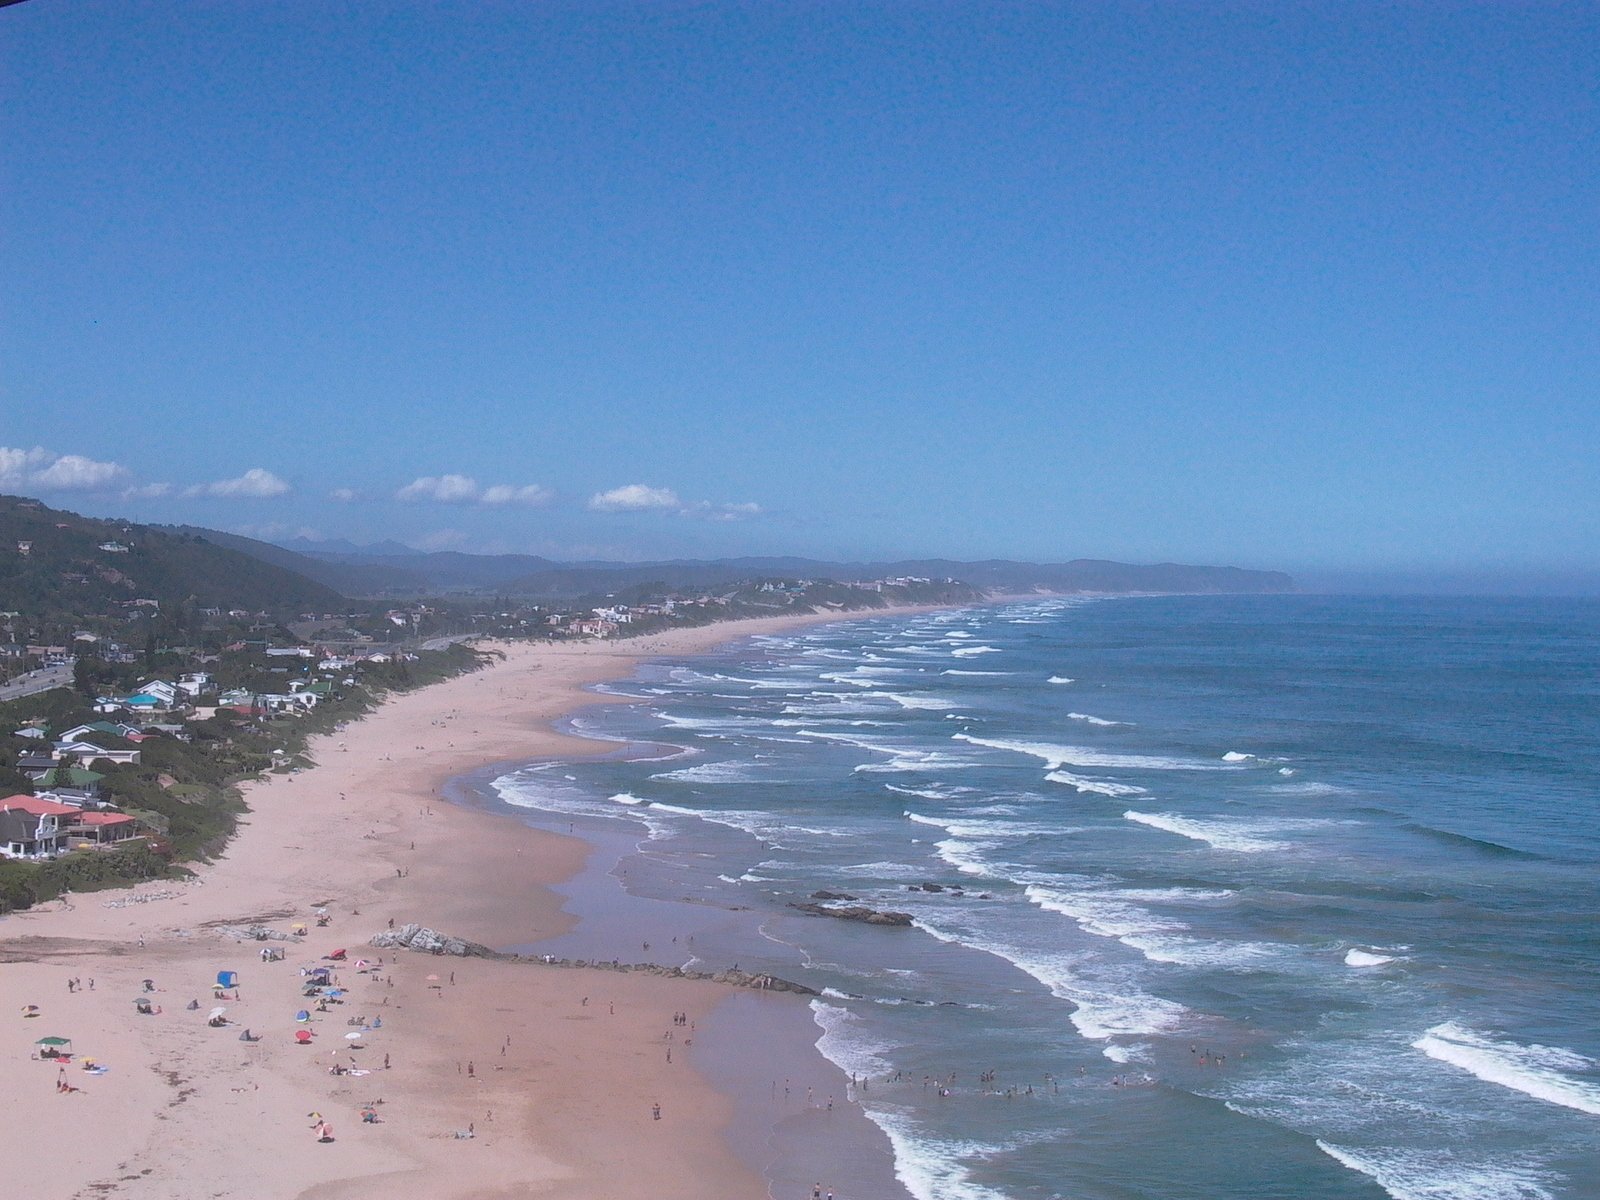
(76, 779)
(89, 753)
(31, 761)
(93, 830)
(113, 547)
(30, 827)
(297, 702)
(156, 693)
(110, 728)
(194, 683)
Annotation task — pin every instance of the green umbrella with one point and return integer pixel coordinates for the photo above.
(53, 1041)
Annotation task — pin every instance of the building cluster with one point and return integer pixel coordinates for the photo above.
(67, 810)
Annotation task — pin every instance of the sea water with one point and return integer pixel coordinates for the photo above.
(1284, 896)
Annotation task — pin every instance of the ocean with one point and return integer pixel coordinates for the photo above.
(1211, 897)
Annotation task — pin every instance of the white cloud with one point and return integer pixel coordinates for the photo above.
(43, 470)
(635, 497)
(447, 489)
(722, 512)
(531, 495)
(147, 491)
(254, 484)
(464, 489)
(344, 495)
(639, 497)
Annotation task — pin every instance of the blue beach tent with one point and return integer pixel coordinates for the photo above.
(227, 979)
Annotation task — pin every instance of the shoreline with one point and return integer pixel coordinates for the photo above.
(366, 834)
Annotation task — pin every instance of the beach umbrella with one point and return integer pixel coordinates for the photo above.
(53, 1041)
(303, 1036)
(353, 1037)
(30, 1010)
(302, 1015)
(215, 1013)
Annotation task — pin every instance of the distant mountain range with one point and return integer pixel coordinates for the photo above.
(390, 568)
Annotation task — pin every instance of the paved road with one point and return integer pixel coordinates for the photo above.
(37, 681)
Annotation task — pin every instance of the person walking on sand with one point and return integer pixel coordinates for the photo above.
(655, 1112)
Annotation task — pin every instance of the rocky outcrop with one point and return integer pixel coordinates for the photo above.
(855, 912)
(431, 941)
(833, 896)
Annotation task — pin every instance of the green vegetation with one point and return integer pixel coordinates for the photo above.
(25, 883)
(66, 575)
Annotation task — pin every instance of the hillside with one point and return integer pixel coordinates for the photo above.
(60, 564)
(363, 572)
(357, 577)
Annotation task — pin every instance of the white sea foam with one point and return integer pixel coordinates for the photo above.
(955, 671)
(762, 825)
(967, 827)
(1130, 1053)
(1055, 757)
(1224, 835)
(718, 724)
(846, 1043)
(1534, 1070)
(1307, 789)
(1060, 679)
(970, 651)
(932, 792)
(1365, 958)
(914, 762)
(717, 772)
(964, 857)
(1159, 938)
(1100, 914)
(1237, 756)
(1093, 720)
(1101, 787)
(1419, 1175)
(1098, 1013)
(629, 798)
(918, 700)
(879, 870)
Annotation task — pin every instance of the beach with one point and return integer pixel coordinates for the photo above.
(482, 1078)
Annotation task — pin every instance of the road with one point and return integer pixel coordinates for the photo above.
(34, 682)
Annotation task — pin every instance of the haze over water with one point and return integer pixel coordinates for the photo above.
(1348, 845)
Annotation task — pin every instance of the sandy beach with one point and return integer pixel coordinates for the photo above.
(486, 1079)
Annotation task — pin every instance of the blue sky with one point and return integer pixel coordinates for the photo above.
(1300, 286)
